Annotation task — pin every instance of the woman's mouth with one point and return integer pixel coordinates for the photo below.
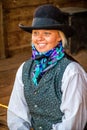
(41, 45)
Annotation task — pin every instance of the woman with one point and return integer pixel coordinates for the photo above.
(50, 89)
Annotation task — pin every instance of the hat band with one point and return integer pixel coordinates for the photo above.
(44, 22)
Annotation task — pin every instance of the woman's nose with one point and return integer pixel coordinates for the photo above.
(40, 37)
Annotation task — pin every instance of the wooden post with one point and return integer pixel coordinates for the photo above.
(2, 44)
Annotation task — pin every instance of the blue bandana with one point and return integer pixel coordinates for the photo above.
(45, 61)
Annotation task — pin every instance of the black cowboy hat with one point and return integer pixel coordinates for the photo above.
(49, 17)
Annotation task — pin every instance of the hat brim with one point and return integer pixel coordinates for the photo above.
(68, 30)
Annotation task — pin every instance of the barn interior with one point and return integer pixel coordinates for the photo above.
(15, 44)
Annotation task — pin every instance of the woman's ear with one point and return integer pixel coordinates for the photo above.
(59, 37)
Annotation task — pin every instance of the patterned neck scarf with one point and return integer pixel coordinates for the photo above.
(45, 61)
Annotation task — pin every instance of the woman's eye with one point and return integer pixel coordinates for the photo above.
(43, 34)
(35, 33)
(47, 33)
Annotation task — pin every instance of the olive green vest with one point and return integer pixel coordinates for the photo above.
(44, 99)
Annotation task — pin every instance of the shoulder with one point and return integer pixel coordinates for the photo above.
(74, 68)
(27, 65)
(24, 64)
(74, 77)
(19, 70)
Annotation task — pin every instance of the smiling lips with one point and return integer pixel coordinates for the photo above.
(41, 45)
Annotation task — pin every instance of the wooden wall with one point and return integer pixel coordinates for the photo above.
(15, 12)
(14, 40)
(2, 45)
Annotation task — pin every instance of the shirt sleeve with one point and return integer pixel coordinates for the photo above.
(74, 99)
(18, 116)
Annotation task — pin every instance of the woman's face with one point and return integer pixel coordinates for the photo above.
(45, 40)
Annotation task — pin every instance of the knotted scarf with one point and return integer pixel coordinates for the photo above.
(45, 61)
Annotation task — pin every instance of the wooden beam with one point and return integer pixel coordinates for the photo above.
(2, 44)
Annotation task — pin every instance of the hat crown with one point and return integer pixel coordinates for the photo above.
(49, 17)
(51, 12)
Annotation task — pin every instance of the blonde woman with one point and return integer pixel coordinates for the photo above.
(50, 89)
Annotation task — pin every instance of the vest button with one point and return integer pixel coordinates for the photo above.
(40, 128)
(35, 106)
(35, 93)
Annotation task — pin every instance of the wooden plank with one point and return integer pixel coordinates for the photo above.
(22, 3)
(2, 44)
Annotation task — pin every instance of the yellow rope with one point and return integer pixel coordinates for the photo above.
(1, 105)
